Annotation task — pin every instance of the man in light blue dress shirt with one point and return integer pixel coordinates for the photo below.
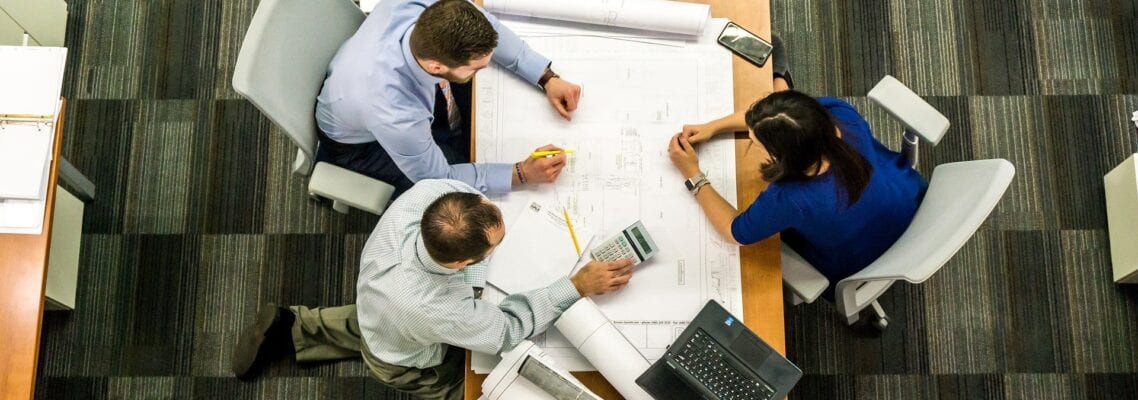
(416, 303)
(395, 105)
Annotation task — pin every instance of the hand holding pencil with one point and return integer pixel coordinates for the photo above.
(540, 169)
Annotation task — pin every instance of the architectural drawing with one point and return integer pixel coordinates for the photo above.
(635, 96)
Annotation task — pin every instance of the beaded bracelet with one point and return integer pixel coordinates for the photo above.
(518, 169)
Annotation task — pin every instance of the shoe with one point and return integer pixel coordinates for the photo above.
(267, 340)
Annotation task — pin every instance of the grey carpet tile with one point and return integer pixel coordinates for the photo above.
(234, 183)
(97, 140)
(1041, 386)
(1102, 316)
(165, 153)
(149, 387)
(923, 54)
(997, 37)
(1037, 339)
(1009, 128)
(1089, 67)
(964, 306)
(895, 387)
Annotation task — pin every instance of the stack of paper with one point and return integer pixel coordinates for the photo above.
(538, 249)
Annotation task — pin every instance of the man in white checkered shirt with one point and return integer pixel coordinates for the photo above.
(417, 306)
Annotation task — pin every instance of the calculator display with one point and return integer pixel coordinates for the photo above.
(640, 238)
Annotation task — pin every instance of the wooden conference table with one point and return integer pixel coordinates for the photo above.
(761, 274)
(23, 274)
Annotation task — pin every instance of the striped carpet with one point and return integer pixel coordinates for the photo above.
(198, 220)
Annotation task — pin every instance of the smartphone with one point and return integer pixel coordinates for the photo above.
(744, 43)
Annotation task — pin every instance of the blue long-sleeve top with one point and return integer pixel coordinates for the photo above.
(812, 215)
(376, 91)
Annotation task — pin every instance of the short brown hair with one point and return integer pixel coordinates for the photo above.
(456, 227)
(453, 32)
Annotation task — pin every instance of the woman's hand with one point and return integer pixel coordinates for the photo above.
(698, 133)
(683, 156)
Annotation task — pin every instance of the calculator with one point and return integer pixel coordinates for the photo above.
(632, 243)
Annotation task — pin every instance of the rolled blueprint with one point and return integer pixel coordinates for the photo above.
(605, 347)
(653, 15)
(511, 379)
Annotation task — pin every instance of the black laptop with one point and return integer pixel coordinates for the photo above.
(718, 358)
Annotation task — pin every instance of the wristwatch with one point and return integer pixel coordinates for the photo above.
(696, 182)
(549, 74)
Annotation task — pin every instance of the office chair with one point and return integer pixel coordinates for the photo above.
(959, 199)
(281, 68)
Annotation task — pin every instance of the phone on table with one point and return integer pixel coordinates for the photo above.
(744, 43)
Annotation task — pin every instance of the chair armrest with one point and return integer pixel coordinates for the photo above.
(801, 277)
(349, 187)
(906, 106)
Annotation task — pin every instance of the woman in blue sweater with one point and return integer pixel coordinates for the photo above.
(838, 196)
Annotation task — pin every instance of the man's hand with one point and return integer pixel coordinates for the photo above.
(683, 156)
(600, 277)
(563, 96)
(544, 169)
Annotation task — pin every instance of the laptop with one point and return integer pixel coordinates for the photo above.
(717, 357)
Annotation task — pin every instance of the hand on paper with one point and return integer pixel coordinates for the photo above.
(697, 133)
(563, 96)
(683, 156)
(543, 169)
(600, 277)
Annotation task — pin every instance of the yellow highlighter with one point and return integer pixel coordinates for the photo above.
(572, 234)
(547, 153)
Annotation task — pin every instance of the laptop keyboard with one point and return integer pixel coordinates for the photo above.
(707, 361)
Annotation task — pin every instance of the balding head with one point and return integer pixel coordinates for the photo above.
(456, 227)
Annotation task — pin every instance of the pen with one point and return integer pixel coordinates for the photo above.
(540, 154)
(571, 233)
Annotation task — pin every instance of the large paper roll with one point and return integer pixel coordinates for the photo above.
(605, 347)
(653, 15)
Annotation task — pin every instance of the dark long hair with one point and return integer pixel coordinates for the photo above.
(798, 132)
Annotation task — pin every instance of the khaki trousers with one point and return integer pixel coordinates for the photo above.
(333, 333)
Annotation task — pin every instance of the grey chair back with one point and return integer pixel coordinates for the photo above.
(284, 59)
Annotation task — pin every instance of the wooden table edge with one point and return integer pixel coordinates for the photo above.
(18, 381)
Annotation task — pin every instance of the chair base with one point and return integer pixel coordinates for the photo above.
(874, 315)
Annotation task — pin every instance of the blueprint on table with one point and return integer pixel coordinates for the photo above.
(635, 96)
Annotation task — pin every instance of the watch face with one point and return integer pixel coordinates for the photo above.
(689, 185)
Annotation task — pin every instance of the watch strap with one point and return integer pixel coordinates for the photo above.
(548, 75)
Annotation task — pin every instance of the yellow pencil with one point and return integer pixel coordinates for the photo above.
(571, 233)
(540, 154)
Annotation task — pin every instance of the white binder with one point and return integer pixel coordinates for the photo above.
(32, 78)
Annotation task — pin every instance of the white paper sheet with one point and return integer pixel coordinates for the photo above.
(537, 249)
(22, 216)
(31, 78)
(652, 15)
(635, 96)
(25, 159)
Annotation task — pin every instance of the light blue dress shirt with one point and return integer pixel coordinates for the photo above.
(376, 91)
(409, 307)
